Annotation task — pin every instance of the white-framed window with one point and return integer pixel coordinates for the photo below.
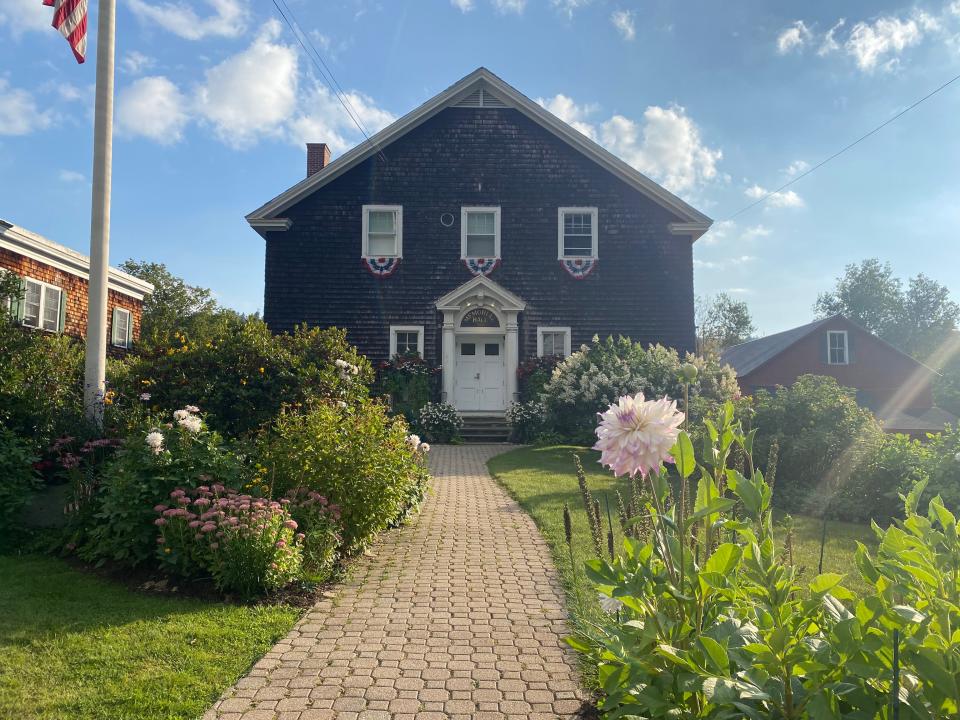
(43, 305)
(406, 340)
(553, 341)
(382, 231)
(480, 232)
(121, 328)
(837, 349)
(577, 232)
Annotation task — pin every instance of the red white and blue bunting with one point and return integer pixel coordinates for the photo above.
(580, 267)
(481, 266)
(381, 267)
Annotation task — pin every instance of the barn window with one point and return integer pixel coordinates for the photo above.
(406, 340)
(480, 232)
(553, 341)
(837, 351)
(577, 230)
(382, 231)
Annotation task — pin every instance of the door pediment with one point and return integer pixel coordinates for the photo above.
(483, 288)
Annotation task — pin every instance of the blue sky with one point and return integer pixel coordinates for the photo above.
(718, 101)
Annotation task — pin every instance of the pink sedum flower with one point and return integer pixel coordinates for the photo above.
(635, 435)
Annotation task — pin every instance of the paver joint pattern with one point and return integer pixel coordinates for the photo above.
(457, 615)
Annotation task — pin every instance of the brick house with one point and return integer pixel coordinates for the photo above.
(892, 384)
(53, 281)
(478, 231)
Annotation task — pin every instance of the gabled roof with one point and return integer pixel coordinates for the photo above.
(747, 357)
(480, 286)
(36, 247)
(481, 88)
(921, 420)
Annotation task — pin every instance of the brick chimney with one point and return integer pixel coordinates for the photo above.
(318, 157)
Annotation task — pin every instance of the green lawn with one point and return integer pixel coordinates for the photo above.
(75, 646)
(543, 479)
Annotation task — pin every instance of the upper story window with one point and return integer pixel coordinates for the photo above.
(382, 231)
(406, 340)
(553, 341)
(837, 349)
(42, 306)
(121, 328)
(480, 232)
(577, 229)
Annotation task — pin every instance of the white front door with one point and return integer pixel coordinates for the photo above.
(480, 379)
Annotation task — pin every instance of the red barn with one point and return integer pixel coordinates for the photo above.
(891, 383)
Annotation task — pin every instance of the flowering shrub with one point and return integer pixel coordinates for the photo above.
(249, 545)
(356, 456)
(241, 374)
(150, 464)
(534, 373)
(526, 420)
(596, 375)
(409, 381)
(439, 422)
(319, 523)
(18, 480)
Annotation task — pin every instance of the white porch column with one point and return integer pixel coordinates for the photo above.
(448, 354)
(512, 350)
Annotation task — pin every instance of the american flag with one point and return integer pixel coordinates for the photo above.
(70, 18)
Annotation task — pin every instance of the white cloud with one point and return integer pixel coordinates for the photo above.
(829, 43)
(252, 93)
(19, 114)
(462, 5)
(793, 37)
(22, 16)
(322, 118)
(623, 21)
(571, 113)
(754, 232)
(71, 176)
(786, 198)
(724, 264)
(666, 145)
(797, 167)
(727, 232)
(229, 19)
(134, 62)
(568, 7)
(152, 107)
(739, 291)
(509, 6)
(886, 38)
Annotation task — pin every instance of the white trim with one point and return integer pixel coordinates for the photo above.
(265, 225)
(545, 329)
(394, 329)
(128, 340)
(397, 210)
(846, 347)
(481, 287)
(511, 97)
(693, 229)
(594, 213)
(464, 211)
(36, 247)
(44, 286)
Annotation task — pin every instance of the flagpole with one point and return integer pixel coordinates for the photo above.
(96, 350)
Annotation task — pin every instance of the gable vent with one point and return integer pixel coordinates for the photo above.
(480, 98)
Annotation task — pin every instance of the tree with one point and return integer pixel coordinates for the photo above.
(174, 306)
(917, 320)
(722, 322)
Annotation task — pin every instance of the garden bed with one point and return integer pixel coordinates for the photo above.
(78, 645)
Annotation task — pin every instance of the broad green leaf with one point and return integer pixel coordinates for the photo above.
(683, 455)
(717, 654)
(825, 582)
(946, 518)
(912, 499)
(908, 613)
(724, 559)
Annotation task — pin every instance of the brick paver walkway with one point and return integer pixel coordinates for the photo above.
(457, 615)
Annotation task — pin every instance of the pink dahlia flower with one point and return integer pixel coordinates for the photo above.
(635, 435)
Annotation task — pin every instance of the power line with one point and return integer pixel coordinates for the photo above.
(330, 82)
(840, 152)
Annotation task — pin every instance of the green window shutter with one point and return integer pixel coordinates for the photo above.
(61, 320)
(114, 335)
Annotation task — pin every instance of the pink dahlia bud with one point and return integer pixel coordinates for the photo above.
(635, 435)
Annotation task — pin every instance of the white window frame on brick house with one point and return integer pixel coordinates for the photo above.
(541, 331)
(394, 329)
(45, 294)
(845, 347)
(397, 211)
(594, 234)
(126, 339)
(465, 212)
